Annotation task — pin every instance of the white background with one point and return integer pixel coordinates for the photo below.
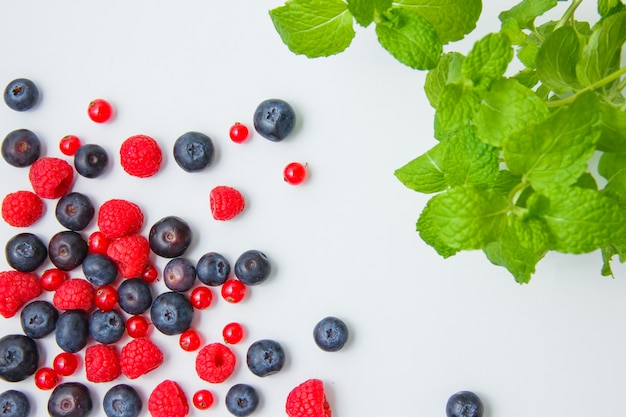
(342, 244)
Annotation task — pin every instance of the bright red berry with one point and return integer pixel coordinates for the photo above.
(203, 399)
(52, 279)
(106, 297)
(140, 356)
(295, 173)
(150, 274)
(215, 362)
(102, 363)
(98, 243)
(131, 254)
(46, 378)
(65, 363)
(239, 132)
(308, 400)
(74, 294)
(190, 340)
(233, 290)
(22, 208)
(16, 289)
(69, 144)
(168, 400)
(51, 178)
(201, 297)
(141, 156)
(232, 333)
(119, 218)
(226, 202)
(99, 110)
(137, 326)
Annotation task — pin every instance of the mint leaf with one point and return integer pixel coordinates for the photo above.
(613, 136)
(527, 11)
(455, 111)
(452, 19)
(448, 70)
(609, 7)
(464, 217)
(469, 161)
(516, 35)
(554, 152)
(506, 108)
(429, 233)
(613, 167)
(488, 59)
(314, 28)
(410, 38)
(364, 11)
(425, 173)
(505, 181)
(526, 77)
(557, 59)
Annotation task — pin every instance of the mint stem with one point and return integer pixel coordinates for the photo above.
(569, 13)
(598, 84)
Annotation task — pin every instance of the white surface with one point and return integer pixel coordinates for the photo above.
(342, 244)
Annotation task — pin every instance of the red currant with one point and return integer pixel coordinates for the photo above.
(295, 173)
(52, 279)
(65, 363)
(239, 132)
(232, 333)
(69, 144)
(98, 243)
(46, 378)
(201, 297)
(233, 290)
(189, 340)
(137, 326)
(106, 297)
(150, 274)
(99, 110)
(203, 399)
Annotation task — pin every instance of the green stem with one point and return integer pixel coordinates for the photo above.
(516, 192)
(598, 84)
(569, 13)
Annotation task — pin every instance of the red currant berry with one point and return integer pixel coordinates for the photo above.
(150, 274)
(106, 297)
(294, 173)
(232, 333)
(52, 279)
(189, 340)
(99, 110)
(201, 297)
(137, 326)
(239, 132)
(69, 144)
(46, 378)
(98, 243)
(65, 363)
(203, 399)
(233, 290)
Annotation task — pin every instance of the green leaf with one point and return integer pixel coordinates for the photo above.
(456, 109)
(430, 234)
(554, 152)
(609, 7)
(448, 70)
(516, 35)
(424, 174)
(527, 11)
(410, 38)
(557, 59)
(469, 161)
(506, 108)
(452, 19)
(314, 28)
(527, 77)
(612, 166)
(488, 58)
(364, 11)
(505, 182)
(465, 218)
(613, 136)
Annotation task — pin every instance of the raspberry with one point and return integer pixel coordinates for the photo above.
(102, 363)
(215, 363)
(140, 156)
(131, 254)
(51, 177)
(16, 289)
(118, 218)
(22, 208)
(226, 202)
(74, 294)
(140, 356)
(308, 400)
(168, 400)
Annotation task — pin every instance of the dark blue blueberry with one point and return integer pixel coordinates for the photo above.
(72, 331)
(193, 151)
(74, 211)
(14, 403)
(171, 313)
(38, 319)
(274, 119)
(265, 357)
(70, 399)
(106, 326)
(122, 401)
(252, 267)
(213, 269)
(170, 237)
(242, 400)
(134, 296)
(330, 334)
(464, 404)
(99, 269)
(179, 274)
(21, 94)
(19, 357)
(25, 252)
(21, 148)
(67, 250)
(91, 160)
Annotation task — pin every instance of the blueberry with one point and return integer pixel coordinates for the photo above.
(134, 296)
(241, 400)
(99, 269)
(19, 357)
(72, 330)
(171, 313)
(91, 160)
(38, 319)
(265, 357)
(170, 237)
(21, 148)
(25, 252)
(274, 119)
(213, 269)
(21, 94)
(252, 267)
(14, 403)
(122, 400)
(67, 250)
(464, 404)
(74, 211)
(330, 334)
(106, 326)
(70, 399)
(179, 274)
(193, 151)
